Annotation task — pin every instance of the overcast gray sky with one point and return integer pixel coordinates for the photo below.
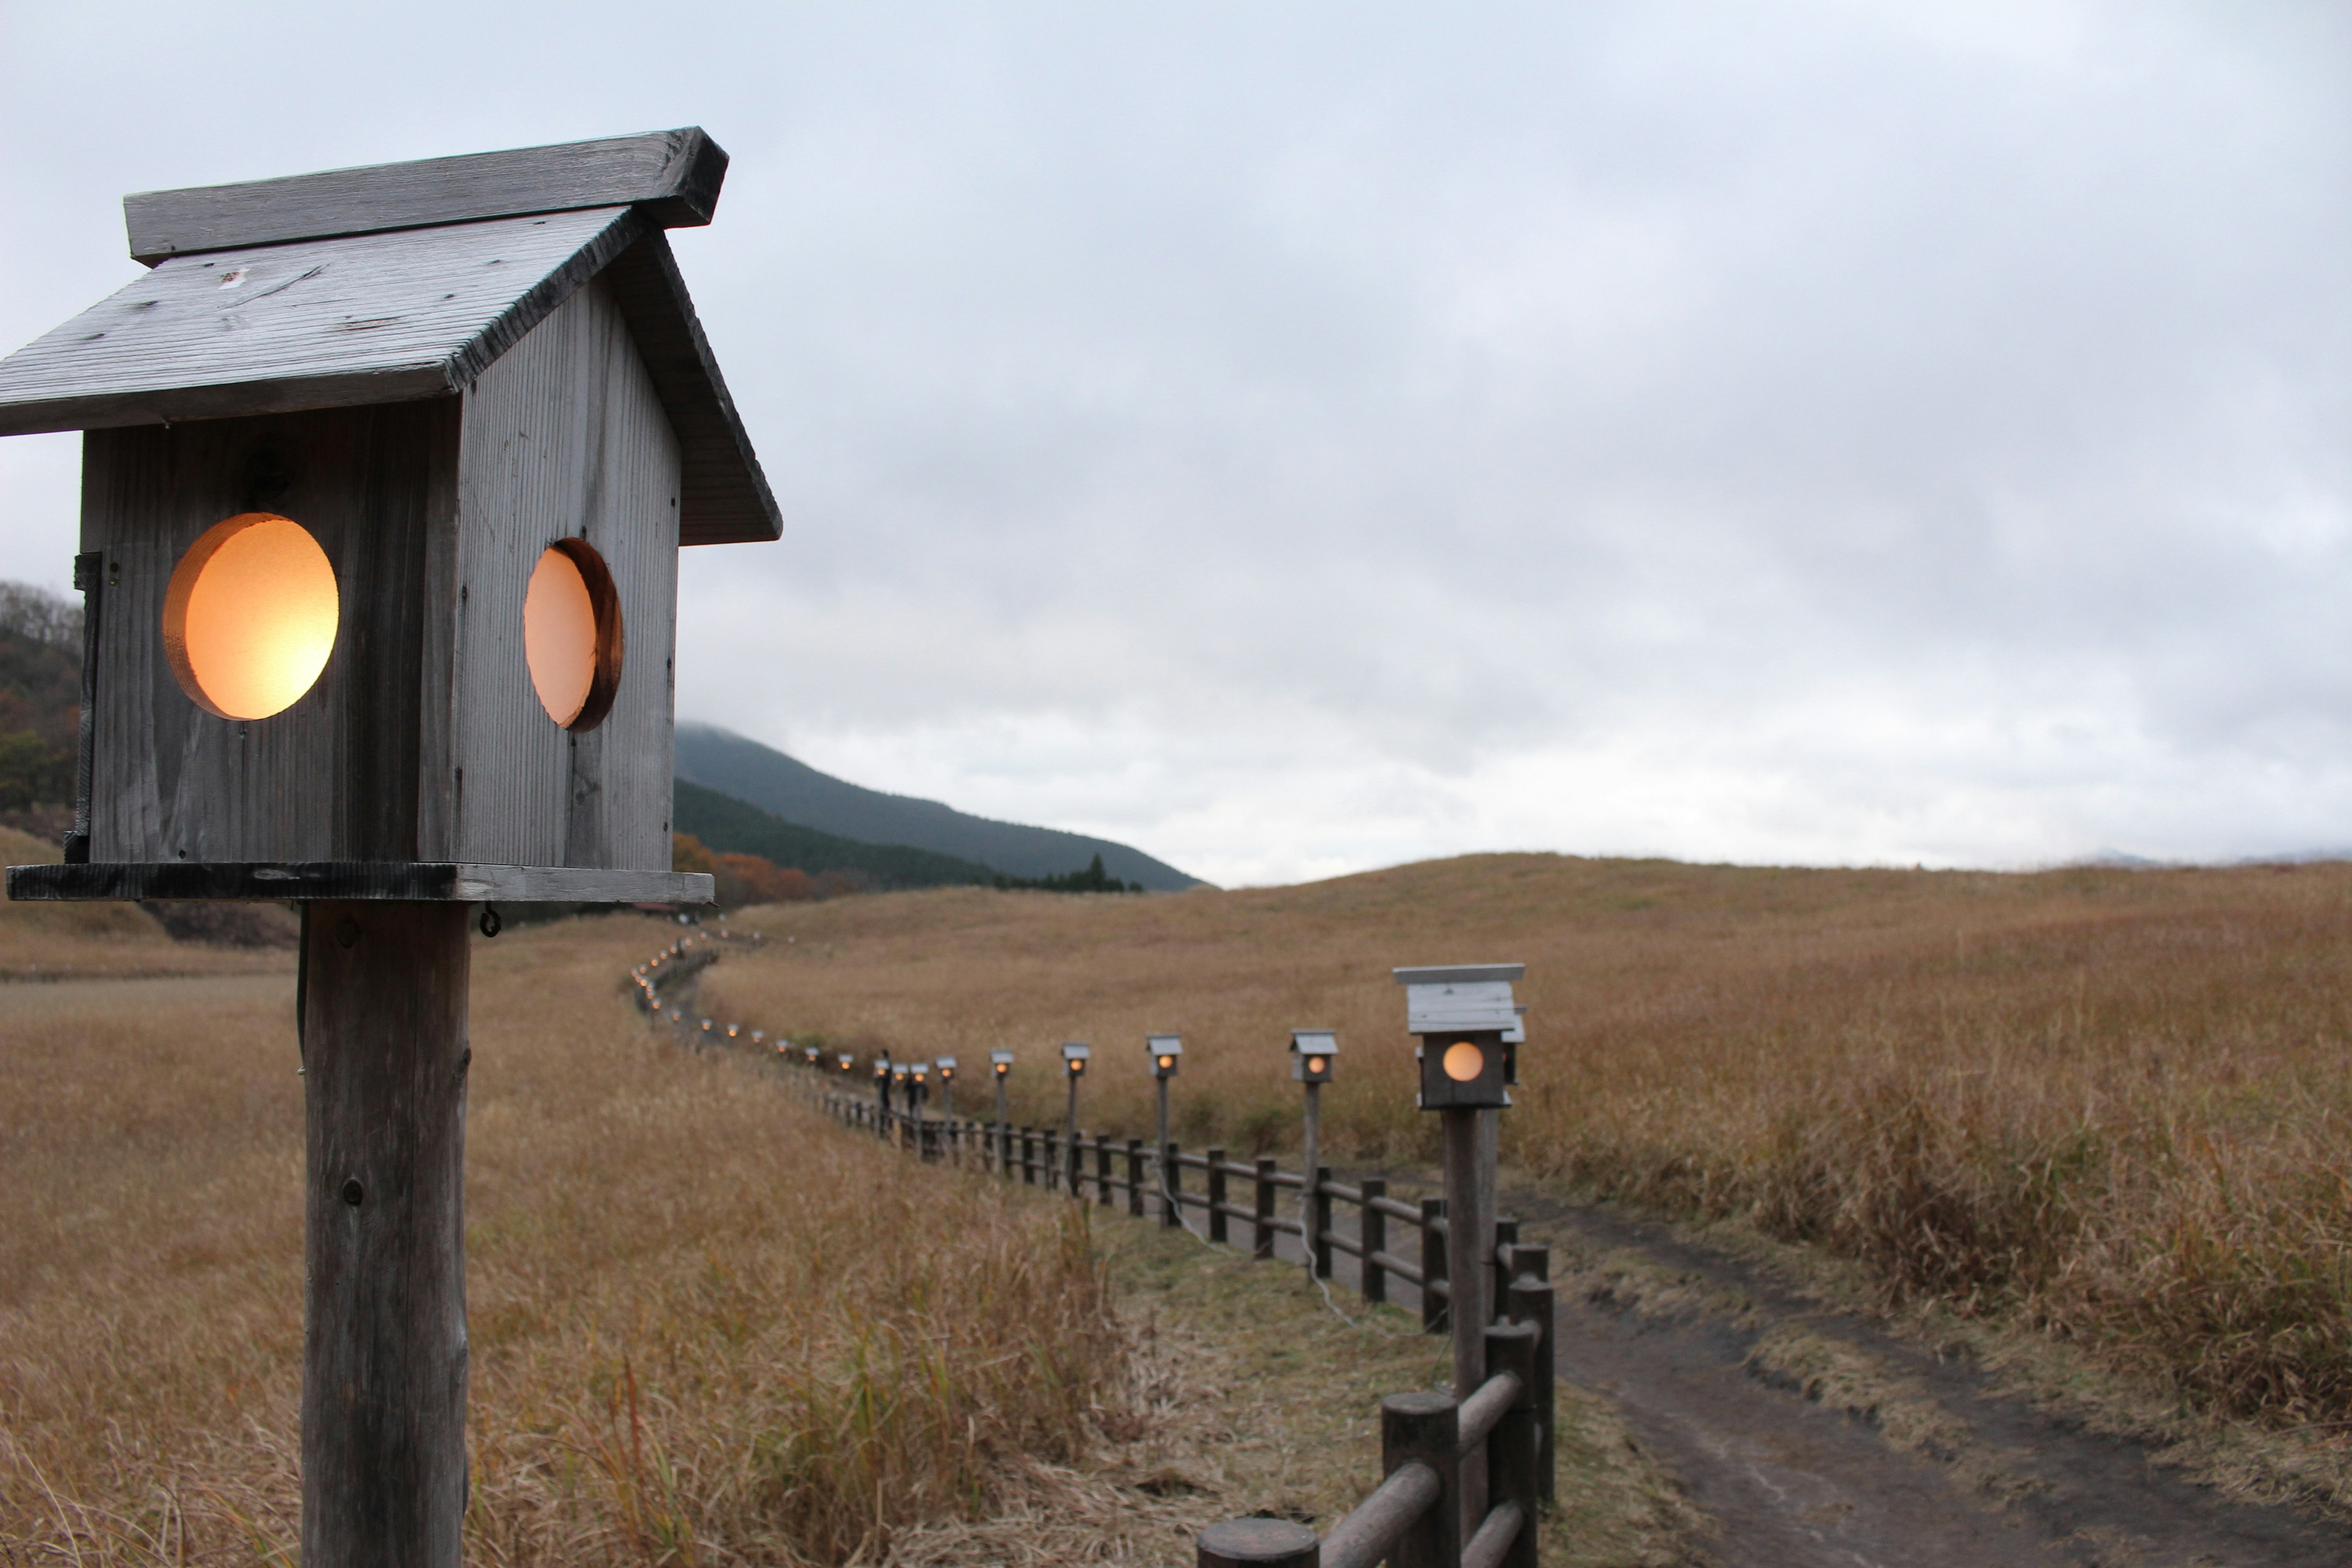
(1300, 437)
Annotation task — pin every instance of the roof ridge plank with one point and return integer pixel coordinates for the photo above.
(672, 177)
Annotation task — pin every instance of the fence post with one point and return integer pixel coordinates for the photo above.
(1427, 1427)
(1514, 1449)
(1433, 1315)
(1262, 1209)
(1532, 1301)
(1102, 1171)
(1216, 1195)
(1135, 1177)
(1373, 1231)
(1028, 1156)
(1506, 1236)
(1171, 1186)
(1318, 1222)
(1259, 1543)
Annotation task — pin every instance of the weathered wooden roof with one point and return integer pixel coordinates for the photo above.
(280, 324)
(671, 176)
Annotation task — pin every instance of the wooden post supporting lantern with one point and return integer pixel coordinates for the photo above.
(1166, 1054)
(1468, 1056)
(1000, 1067)
(1313, 1055)
(1074, 1068)
(383, 482)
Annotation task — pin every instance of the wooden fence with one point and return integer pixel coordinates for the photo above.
(1464, 1479)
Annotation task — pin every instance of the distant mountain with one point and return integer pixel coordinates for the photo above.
(730, 827)
(720, 760)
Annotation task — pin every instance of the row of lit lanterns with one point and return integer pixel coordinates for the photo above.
(1472, 1070)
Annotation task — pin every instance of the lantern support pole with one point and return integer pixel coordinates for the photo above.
(1311, 1136)
(383, 1319)
(1070, 1131)
(1003, 1130)
(1469, 1248)
(1166, 1202)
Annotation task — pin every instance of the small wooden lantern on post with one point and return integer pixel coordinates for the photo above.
(1074, 1068)
(385, 472)
(1468, 1056)
(1166, 1054)
(1000, 1067)
(945, 1067)
(1314, 1054)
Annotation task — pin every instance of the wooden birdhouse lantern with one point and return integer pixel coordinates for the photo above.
(1470, 1034)
(1313, 1054)
(385, 477)
(1166, 1054)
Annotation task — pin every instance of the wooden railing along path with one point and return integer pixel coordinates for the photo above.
(1435, 1447)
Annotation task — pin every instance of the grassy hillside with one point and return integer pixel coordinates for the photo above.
(747, 771)
(2114, 1104)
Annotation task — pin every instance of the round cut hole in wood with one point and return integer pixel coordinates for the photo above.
(1463, 1061)
(249, 617)
(571, 635)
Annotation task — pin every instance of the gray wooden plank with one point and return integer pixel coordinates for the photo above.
(672, 177)
(335, 776)
(327, 323)
(565, 437)
(418, 880)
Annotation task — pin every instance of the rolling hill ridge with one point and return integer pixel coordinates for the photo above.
(733, 765)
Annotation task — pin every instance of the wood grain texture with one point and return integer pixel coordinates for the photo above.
(330, 324)
(383, 1322)
(333, 777)
(403, 880)
(674, 176)
(564, 438)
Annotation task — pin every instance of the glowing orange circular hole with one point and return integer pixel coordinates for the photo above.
(1168, 1061)
(571, 635)
(250, 615)
(1463, 1061)
(1314, 1064)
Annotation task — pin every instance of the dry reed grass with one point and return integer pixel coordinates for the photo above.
(705, 1327)
(2112, 1104)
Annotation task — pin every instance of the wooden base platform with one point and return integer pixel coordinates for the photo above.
(285, 881)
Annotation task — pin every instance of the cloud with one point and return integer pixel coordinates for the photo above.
(1300, 439)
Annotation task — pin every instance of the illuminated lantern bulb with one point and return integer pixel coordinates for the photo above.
(249, 615)
(571, 635)
(1463, 1061)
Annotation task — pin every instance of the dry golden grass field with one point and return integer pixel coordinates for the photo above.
(2111, 1105)
(708, 1327)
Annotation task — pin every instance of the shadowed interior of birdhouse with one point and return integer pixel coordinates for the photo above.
(571, 635)
(1463, 1061)
(249, 617)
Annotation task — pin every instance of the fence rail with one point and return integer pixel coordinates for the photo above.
(1430, 1444)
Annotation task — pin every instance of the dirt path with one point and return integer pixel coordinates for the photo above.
(1707, 1359)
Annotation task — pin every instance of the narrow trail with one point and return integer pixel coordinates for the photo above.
(1789, 1481)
